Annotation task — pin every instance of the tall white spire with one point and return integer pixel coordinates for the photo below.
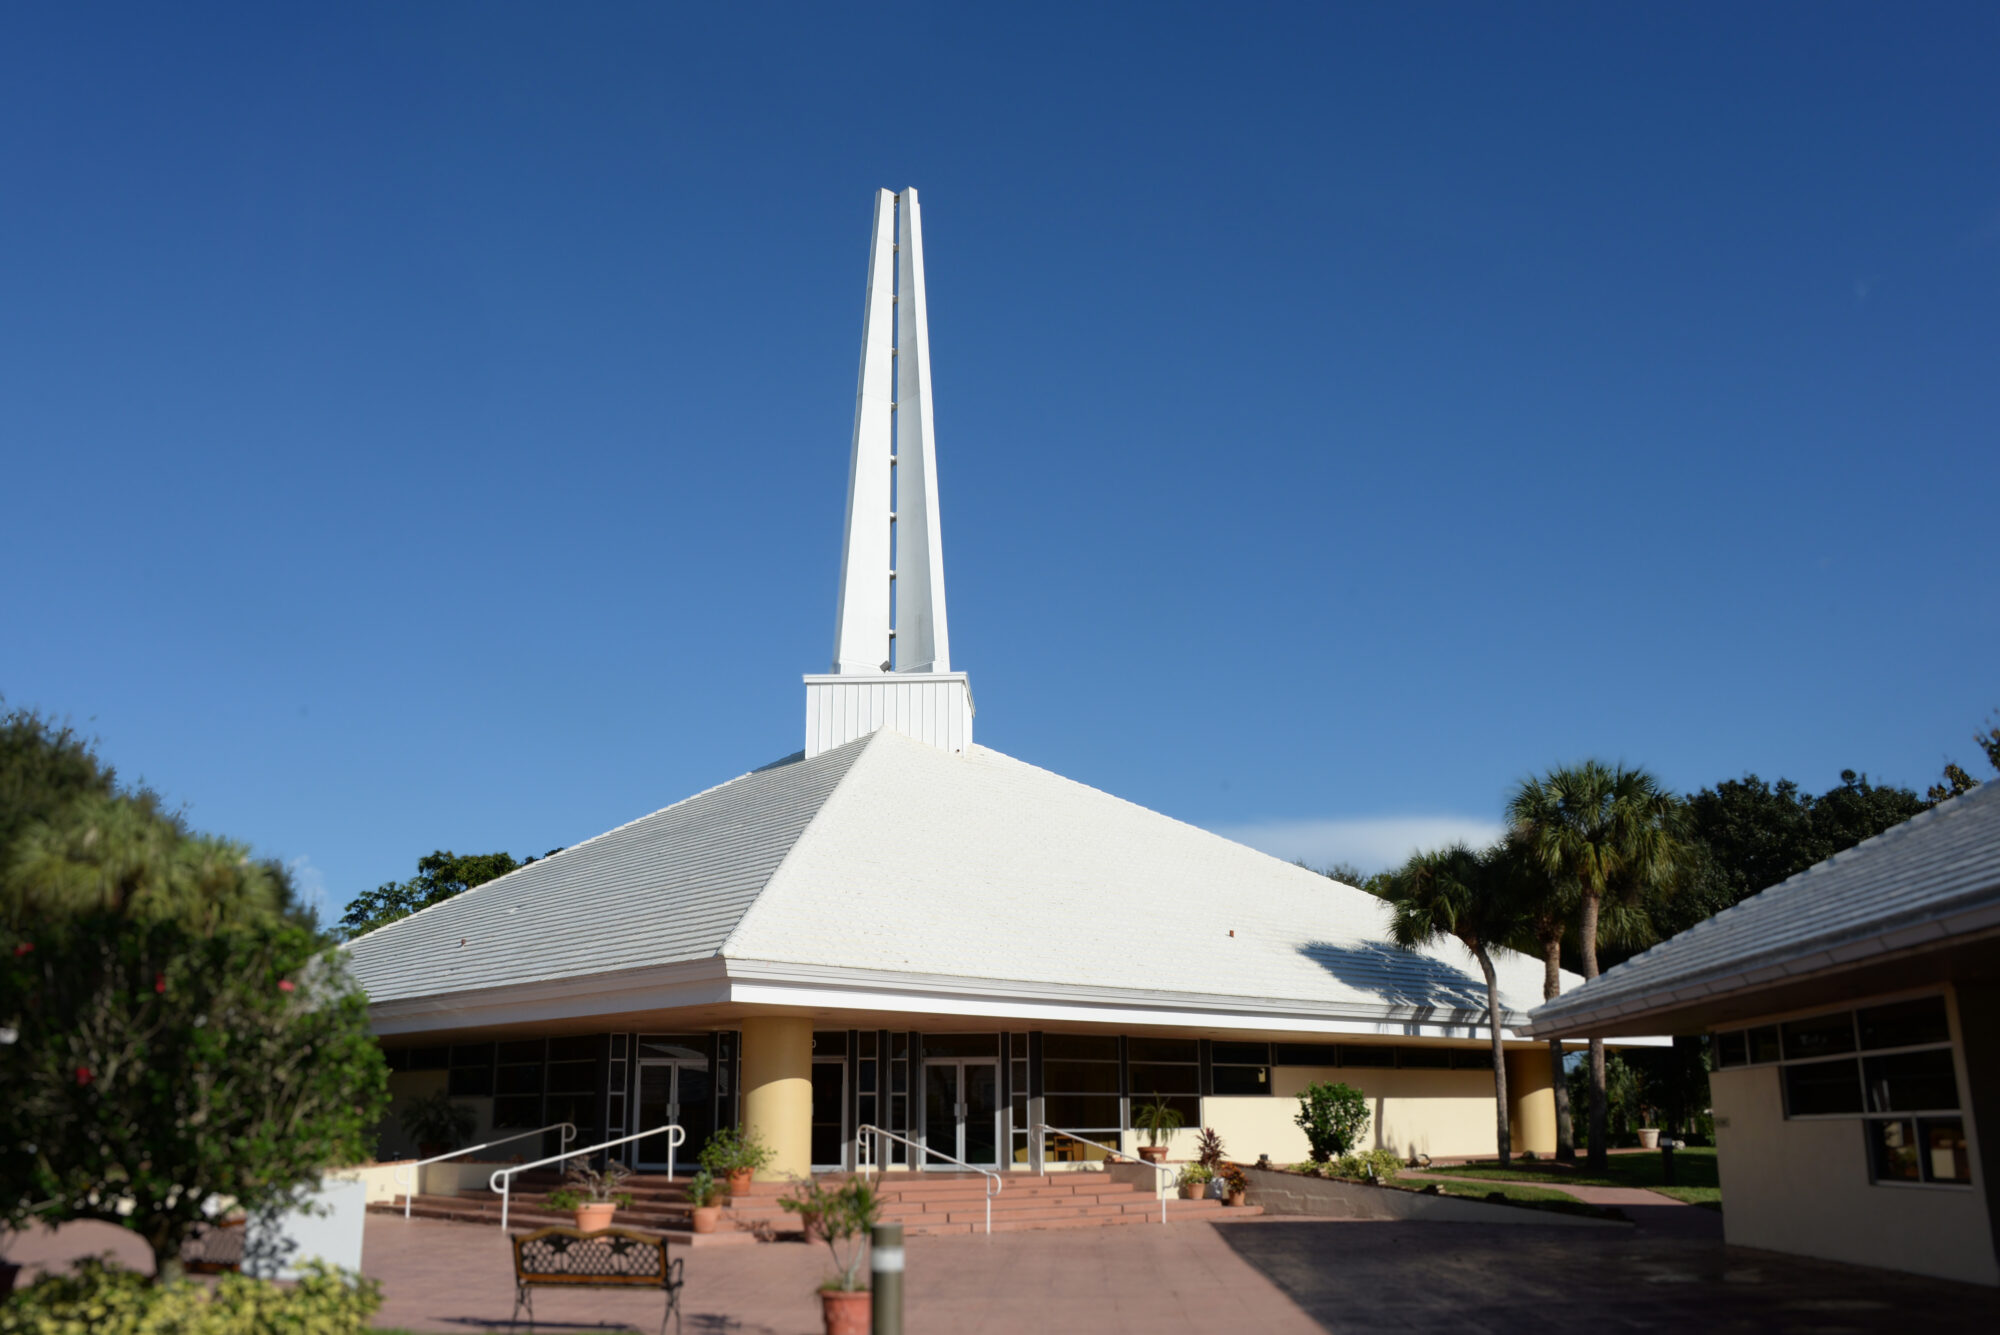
(889, 626)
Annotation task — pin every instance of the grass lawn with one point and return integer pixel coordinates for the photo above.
(1694, 1174)
(1514, 1191)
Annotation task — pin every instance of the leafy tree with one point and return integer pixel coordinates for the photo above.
(440, 876)
(1334, 1118)
(1956, 780)
(1454, 892)
(1616, 834)
(175, 1030)
(1547, 906)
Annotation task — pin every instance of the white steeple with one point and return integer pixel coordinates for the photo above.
(894, 674)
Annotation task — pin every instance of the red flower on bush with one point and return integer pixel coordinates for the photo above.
(83, 1075)
(23, 948)
(284, 984)
(160, 983)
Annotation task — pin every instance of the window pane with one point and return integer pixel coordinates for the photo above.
(1081, 1047)
(1163, 1049)
(1153, 1079)
(1731, 1049)
(471, 1054)
(1945, 1158)
(1017, 1044)
(868, 1043)
(577, 1047)
(1893, 1150)
(1305, 1054)
(962, 1045)
(1466, 1059)
(1241, 1054)
(1912, 1082)
(865, 1076)
(1905, 1024)
(470, 1081)
(572, 1077)
(829, 1042)
(1820, 1036)
(519, 1080)
(1069, 1112)
(1423, 1057)
(1081, 1077)
(1764, 1044)
(1242, 1079)
(524, 1112)
(1822, 1087)
(1357, 1055)
(1188, 1106)
(522, 1050)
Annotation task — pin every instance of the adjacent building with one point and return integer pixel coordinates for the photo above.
(896, 927)
(1855, 1010)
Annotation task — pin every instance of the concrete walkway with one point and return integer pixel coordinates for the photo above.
(1650, 1210)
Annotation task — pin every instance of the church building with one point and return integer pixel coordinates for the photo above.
(897, 927)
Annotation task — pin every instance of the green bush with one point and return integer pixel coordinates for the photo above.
(1334, 1118)
(730, 1150)
(1386, 1163)
(104, 1300)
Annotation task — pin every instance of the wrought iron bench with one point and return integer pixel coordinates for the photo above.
(613, 1258)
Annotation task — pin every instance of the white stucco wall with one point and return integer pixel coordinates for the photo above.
(1803, 1186)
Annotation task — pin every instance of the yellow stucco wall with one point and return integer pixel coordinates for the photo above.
(1802, 1186)
(1411, 1112)
(777, 1092)
(1531, 1102)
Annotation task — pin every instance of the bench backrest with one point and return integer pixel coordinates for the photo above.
(609, 1257)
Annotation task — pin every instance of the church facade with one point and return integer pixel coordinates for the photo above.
(898, 928)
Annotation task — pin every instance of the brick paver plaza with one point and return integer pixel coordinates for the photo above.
(1273, 1275)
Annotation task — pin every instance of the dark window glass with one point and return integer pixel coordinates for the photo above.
(1911, 1082)
(1241, 1079)
(472, 1054)
(865, 1076)
(522, 1050)
(517, 1112)
(1241, 1054)
(1067, 1077)
(1472, 1059)
(899, 1044)
(572, 1077)
(1017, 1044)
(963, 1045)
(1892, 1149)
(1072, 1111)
(898, 1077)
(576, 1048)
(470, 1081)
(1423, 1057)
(397, 1058)
(1305, 1054)
(1080, 1047)
(829, 1042)
(868, 1043)
(518, 1080)
(1764, 1043)
(1945, 1157)
(430, 1059)
(1155, 1078)
(1732, 1049)
(687, 1047)
(1819, 1036)
(1352, 1054)
(1818, 1088)
(865, 1106)
(1163, 1049)
(1905, 1024)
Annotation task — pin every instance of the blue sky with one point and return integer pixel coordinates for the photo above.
(427, 425)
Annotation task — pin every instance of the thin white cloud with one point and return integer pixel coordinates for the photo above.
(1368, 842)
(310, 883)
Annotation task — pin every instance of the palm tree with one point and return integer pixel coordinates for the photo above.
(1548, 906)
(1452, 892)
(1610, 832)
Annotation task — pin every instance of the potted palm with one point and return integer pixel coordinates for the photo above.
(844, 1218)
(1193, 1179)
(705, 1195)
(437, 1124)
(1159, 1120)
(594, 1196)
(735, 1156)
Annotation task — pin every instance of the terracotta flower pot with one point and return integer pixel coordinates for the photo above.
(1234, 1198)
(1153, 1153)
(707, 1218)
(847, 1313)
(595, 1216)
(739, 1181)
(1191, 1191)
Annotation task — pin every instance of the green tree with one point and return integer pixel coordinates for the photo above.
(1456, 893)
(176, 1032)
(440, 876)
(1956, 780)
(1548, 907)
(1614, 833)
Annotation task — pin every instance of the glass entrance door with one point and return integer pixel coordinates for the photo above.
(678, 1090)
(962, 1111)
(829, 1114)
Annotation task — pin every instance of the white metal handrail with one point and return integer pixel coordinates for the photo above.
(415, 1181)
(865, 1161)
(502, 1181)
(1040, 1129)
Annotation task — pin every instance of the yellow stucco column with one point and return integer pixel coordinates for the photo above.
(1531, 1101)
(777, 1092)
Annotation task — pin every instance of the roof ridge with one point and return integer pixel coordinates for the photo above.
(576, 847)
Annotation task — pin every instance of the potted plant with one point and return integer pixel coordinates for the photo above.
(437, 1124)
(705, 1195)
(1208, 1149)
(735, 1155)
(593, 1195)
(1194, 1177)
(1159, 1120)
(844, 1219)
(1235, 1186)
(805, 1200)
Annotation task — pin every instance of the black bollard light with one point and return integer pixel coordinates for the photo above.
(885, 1275)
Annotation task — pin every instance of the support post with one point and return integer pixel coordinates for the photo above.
(777, 1092)
(885, 1274)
